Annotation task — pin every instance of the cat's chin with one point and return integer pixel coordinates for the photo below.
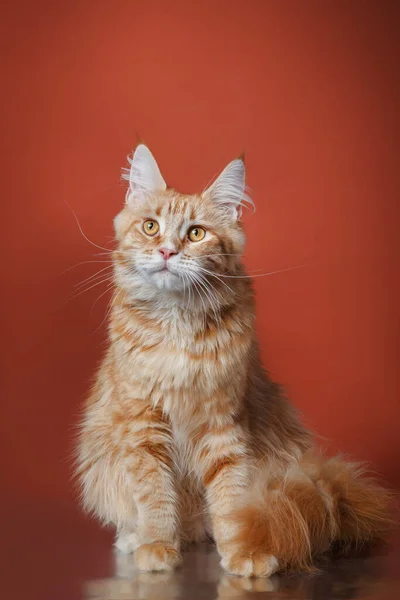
(166, 280)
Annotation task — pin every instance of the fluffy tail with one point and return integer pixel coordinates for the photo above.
(315, 507)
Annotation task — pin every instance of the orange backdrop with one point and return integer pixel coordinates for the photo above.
(310, 91)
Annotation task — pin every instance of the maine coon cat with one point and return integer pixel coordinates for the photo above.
(184, 435)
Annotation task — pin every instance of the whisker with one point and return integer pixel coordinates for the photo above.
(185, 280)
(262, 274)
(94, 276)
(213, 291)
(109, 309)
(198, 290)
(190, 291)
(187, 285)
(108, 288)
(210, 286)
(217, 277)
(220, 254)
(208, 293)
(85, 262)
(82, 232)
(89, 288)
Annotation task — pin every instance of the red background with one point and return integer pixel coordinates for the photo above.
(310, 91)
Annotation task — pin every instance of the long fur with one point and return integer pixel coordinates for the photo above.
(320, 505)
(184, 435)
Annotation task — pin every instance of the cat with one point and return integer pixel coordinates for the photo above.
(184, 436)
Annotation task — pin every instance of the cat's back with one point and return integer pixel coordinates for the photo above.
(276, 430)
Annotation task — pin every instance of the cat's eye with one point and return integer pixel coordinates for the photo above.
(196, 234)
(150, 227)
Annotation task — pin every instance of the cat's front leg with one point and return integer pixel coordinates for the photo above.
(126, 469)
(147, 472)
(157, 509)
(226, 471)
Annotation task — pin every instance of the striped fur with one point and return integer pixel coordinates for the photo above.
(184, 435)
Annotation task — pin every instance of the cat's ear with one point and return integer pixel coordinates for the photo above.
(229, 189)
(143, 175)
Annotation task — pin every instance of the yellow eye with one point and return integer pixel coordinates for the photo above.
(196, 234)
(150, 227)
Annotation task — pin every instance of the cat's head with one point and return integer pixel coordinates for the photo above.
(171, 242)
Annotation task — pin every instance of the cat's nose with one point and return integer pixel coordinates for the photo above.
(167, 252)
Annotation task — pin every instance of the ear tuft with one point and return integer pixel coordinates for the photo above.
(229, 189)
(144, 175)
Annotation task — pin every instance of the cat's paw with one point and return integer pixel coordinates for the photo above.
(157, 557)
(126, 541)
(255, 564)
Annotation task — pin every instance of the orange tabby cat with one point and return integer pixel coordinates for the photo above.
(184, 435)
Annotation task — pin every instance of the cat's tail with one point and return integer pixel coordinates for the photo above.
(316, 506)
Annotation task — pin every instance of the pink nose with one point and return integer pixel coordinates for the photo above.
(167, 252)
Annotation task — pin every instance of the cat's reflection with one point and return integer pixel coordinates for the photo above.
(342, 580)
(201, 577)
(129, 584)
(240, 587)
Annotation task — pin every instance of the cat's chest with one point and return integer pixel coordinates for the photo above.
(177, 364)
(177, 361)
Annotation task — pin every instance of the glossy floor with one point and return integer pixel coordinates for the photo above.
(53, 552)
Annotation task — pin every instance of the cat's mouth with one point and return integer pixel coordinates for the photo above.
(163, 276)
(164, 270)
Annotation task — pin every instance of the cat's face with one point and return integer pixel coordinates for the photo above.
(173, 242)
